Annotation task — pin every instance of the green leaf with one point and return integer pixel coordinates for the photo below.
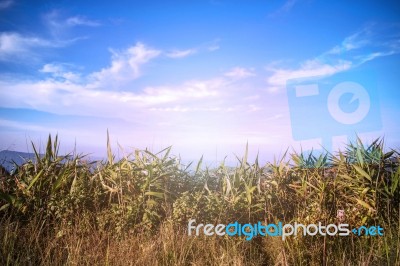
(35, 179)
(345, 176)
(360, 157)
(36, 154)
(365, 190)
(168, 149)
(362, 172)
(59, 180)
(110, 156)
(395, 181)
(244, 161)
(320, 161)
(314, 187)
(388, 154)
(228, 188)
(5, 206)
(159, 195)
(364, 219)
(199, 165)
(49, 150)
(364, 204)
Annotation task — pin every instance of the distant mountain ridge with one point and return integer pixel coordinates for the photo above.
(8, 158)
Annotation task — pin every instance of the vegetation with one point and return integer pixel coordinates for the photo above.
(58, 210)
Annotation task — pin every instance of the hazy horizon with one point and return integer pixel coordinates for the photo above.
(204, 77)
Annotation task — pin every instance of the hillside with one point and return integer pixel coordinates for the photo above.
(9, 158)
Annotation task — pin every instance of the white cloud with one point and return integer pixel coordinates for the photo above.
(125, 65)
(68, 93)
(170, 109)
(81, 21)
(274, 117)
(55, 26)
(311, 68)
(240, 73)
(6, 4)
(213, 45)
(66, 97)
(369, 43)
(203, 111)
(349, 43)
(13, 45)
(213, 48)
(252, 97)
(205, 47)
(52, 68)
(372, 56)
(289, 4)
(181, 53)
(195, 89)
(253, 108)
(60, 27)
(286, 7)
(378, 39)
(11, 42)
(184, 109)
(146, 107)
(210, 46)
(60, 71)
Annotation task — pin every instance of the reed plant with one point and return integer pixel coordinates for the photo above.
(67, 210)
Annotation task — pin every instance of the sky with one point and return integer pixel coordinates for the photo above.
(206, 77)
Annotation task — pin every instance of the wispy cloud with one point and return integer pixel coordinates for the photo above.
(81, 21)
(289, 4)
(61, 71)
(14, 45)
(52, 68)
(125, 65)
(6, 4)
(277, 81)
(194, 107)
(373, 39)
(349, 43)
(184, 109)
(210, 46)
(213, 45)
(286, 7)
(369, 43)
(68, 92)
(11, 42)
(195, 89)
(55, 25)
(59, 25)
(240, 73)
(68, 98)
(181, 53)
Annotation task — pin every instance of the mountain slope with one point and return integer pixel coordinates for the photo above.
(8, 158)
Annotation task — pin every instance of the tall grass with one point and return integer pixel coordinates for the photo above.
(59, 210)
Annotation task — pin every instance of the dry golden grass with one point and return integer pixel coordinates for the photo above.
(60, 211)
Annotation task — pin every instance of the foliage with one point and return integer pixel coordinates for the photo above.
(143, 192)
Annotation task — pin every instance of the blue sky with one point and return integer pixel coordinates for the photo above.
(203, 76)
